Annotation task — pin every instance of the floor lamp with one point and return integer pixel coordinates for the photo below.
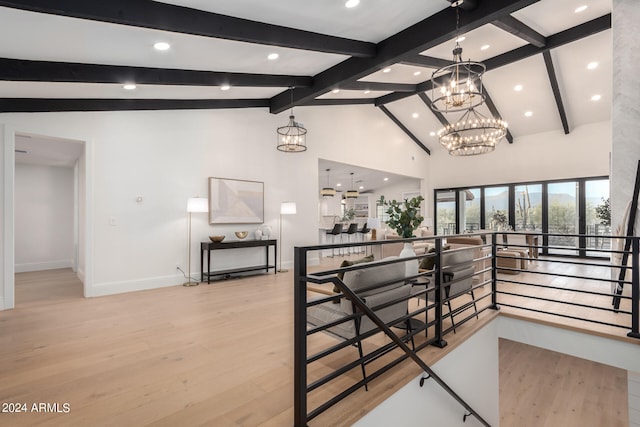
(286, 208)
(194, 204)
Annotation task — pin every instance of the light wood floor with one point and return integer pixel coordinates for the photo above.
(542, 388)
(214, 355)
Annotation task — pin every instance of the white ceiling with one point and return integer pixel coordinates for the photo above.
(371, 180)
(46, 37)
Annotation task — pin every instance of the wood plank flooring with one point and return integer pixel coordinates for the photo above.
(211, 355)
(543, 388)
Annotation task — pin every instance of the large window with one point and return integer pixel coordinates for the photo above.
(597, 196)
(528, 207)
(446, 212)
(496, 206)
(563, 216)
(470, 201)
(569, 209)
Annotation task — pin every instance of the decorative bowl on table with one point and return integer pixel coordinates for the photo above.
(241, 234)
(216, 239)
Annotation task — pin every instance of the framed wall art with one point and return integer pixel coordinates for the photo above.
(234, 201)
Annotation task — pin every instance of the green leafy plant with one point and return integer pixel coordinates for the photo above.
(348, 215)
(404, 217)
(603, 212)
(499, 218)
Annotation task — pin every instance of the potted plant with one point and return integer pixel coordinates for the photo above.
(404, 217)
(498, 220)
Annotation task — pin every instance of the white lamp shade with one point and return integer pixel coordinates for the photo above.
(197, 204)
(287, 208)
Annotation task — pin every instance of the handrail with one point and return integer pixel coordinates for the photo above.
(502, 293)
(300, 352)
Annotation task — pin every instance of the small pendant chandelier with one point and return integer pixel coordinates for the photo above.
(328, 191)
(351, 194)
(292, 138)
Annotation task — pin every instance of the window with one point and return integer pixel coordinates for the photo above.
(471, 205)
(496, 206)
(563, 216)
(528, 207)
(568, 209)
(446, 212)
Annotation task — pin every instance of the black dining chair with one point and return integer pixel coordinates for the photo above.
(335, 232)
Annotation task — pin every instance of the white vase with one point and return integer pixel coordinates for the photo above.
(411, 267)
(266, 231)
(258, 234)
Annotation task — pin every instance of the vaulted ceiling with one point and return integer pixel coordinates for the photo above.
(76, 55)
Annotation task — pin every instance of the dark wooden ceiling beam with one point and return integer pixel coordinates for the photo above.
(421, 36)
(495, 113)
(441, 118)
(562, 38)
(378, 86)
(395, 120)
(559, 39)
(38, 105)
(511, 25)
(24, 70)
(425, 61)
(180, 19)
(553, 80)
(339, 101)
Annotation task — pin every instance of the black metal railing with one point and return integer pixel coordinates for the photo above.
(330, 365)
(586, 290)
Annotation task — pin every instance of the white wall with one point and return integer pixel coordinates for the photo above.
(44, 210)
(471, 370)
(166, 157)
(550, 155)
(476, 378)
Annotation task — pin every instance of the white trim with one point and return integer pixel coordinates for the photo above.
(8, 294)
(47, 265)
(87, 272)
(123, 286)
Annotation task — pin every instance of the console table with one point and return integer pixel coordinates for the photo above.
(208, 247)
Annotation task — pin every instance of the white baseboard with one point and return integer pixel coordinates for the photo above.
(2, 307)
(111, 288)
(81, 275)
(46, 265)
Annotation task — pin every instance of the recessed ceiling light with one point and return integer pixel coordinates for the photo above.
(273, 56)
(592, 65)
(432, 133)
(225, 87)
(352, 3)
(386, 179)
(361, 187)
(517, 88)
(386, 70)
(528, 113)
(129, 86)
(417, 73)
(485, 47)
(460, 39)
(367, 91)
(596, 97)
(338, 185)
(161, 46)
(415, 115)
(581, 8)
(335, 91)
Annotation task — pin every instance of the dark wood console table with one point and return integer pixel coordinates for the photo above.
(212, 246)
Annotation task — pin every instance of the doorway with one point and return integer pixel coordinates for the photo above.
(46, 212)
